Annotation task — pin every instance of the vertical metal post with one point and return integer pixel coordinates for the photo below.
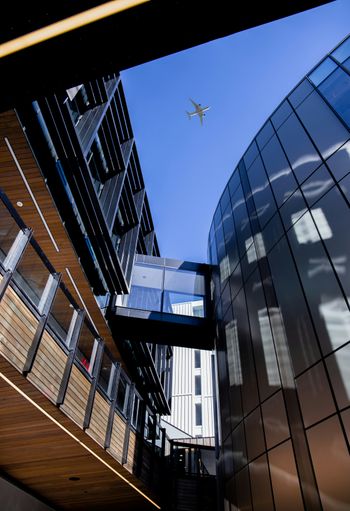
(95, 374)
(114, 393)
(13, 257)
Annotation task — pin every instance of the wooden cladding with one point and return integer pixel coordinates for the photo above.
(18, 326)
(48, 367)
(77, 395)
(99, 418)
(116, 447)
(131, 452)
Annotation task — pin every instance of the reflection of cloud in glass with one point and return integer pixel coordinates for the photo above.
(305, 159)
(224, 268)
(255, 250)
(316, 188)
(233, 354)
(268, 348)
(321, 265)
(337, 319)
(343, 361)
(305, 228)
(282, 350)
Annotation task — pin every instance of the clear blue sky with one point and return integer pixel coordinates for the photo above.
(243, 78)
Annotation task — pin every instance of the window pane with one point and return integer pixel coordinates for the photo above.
(275, 420)
(197, 359)
(261, 192)
(8, 231)
(254, 434)
(250, 155)
(285, 481)
(197, 385)
(31, 275)
(241, 218)
(272, 232)
(339, 163)
(260, 485)
(322, 71)
(230, 239)
(105, 375)
(346, 421)
(279, 171)
(324, 128)
(337, 91)
(314, 395)
(293, 209)
(300, 93)
(331, 461)
(146, 288)
(225, 199)
(61, 314)
(299, 149)
(234, 182)
(293, 310)
(343, 52)
(243, 490)
(281, 114)
(339, 372)
(317, 185)
(122, 394)
(329, 310)
(264, 134)
(198, 408)
(239, 447)
(85, 348)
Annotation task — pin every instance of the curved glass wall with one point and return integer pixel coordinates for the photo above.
(280, 242)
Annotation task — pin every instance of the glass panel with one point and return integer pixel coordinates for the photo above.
(234, 182)
(272, 232)
(346, 64)
(279, 171)
(284, 477)
(343, 51)
(250, 155)
(254, 434)
(239, 447)
(241, 218)
(331, 462)
(339, 372)
(198, 408)
(264, 134)
(336, 90)
(224, 268)
(345, 186)
(230, 239)
(135, 411)
(339, 163)
(61, 314)
(281, 114)
(260, 485)
(275, 420)
(300, 93)
(236, 282)
(249, 387)
(330, 313)
(31, 275)
(261, 192)
(346, 421)
(324, 128)
(146, 288)
(301, 339)
(260, 329)
(104, 378)
(197, 385)
(197, 359)
(322, 71)
(8, 231)
(243, 490)
(293, 209)
(122, 394)
(301, 153)
(317, 185)
(332, 218)
(85, 348)
(225, 199)
(314, 395)
(183, 292)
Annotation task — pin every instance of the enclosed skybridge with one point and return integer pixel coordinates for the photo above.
(168, 304)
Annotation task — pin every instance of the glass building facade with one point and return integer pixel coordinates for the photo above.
(280, 242)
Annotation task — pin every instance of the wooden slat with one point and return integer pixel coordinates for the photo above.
(77, 394)
(131, 452)
(117, 439)
(48, 367)
(99, 418)
(17, 329)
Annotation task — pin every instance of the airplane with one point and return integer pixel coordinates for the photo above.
(199, 110)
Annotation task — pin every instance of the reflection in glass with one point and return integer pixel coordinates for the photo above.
(60, 315)
(317, 185)
(254, 434)
(342, 52)
(331, 462)
(282, 351)
(260, 485)
(305, 228)
(281, 114)
(284, 477)
(275, 420)
(300, 92)
(268, 347)
(233, 354)
(337, 320)
(314, 395)
(336, 90)
(105, 377)
(339, 163)
(239, 447)
(339, 372)
(146, 288)
(8, 231)
(323, 126)
(86, 349)
(322, 71)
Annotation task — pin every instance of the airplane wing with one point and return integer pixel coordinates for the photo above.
(196, 105)
(200, 115)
